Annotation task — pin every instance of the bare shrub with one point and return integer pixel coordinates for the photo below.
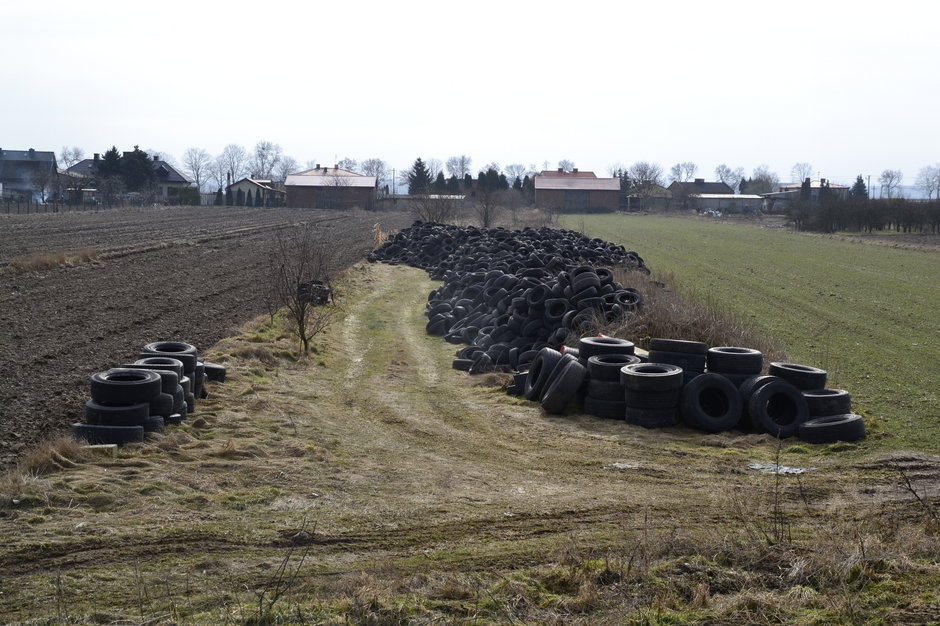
(297, 258)
(40, 262)
(434, 207)
(666, 313)
(53, 455)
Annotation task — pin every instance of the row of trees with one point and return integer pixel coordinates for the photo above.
(857, 214)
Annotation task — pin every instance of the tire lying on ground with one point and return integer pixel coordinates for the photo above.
(833, 428)
(747, 389)
(778, 408)
(540, 371)
(710, 402)
(125, 386)
(214, 372)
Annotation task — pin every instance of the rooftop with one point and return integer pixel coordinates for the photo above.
(577, 183)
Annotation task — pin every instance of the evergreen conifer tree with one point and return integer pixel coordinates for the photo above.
(219, 198)
(440, 183)
(419, 178)
(859, 190)
(229, 201)
(249, 201)
(259, 198)
(240, 198)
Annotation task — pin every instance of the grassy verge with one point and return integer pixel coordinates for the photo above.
(866, 313)
(371, 483)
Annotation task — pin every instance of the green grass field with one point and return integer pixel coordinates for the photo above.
(869, 314)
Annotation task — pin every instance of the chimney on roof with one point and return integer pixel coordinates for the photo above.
(808, 181)
(318, 166)
(699, 181)
(31, 153)
(97, 156)
(561, 170)
(574, 171)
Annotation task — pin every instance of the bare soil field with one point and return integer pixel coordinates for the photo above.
(373, 484)
(186, 273)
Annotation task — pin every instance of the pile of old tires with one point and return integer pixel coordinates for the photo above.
(726, 392)
(159, 388)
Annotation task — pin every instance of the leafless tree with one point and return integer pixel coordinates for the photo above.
(514, 171)
(350, 165)
(234, 158)
(217, 171)
(286, 166)
(196, 163)
(435, 167)
(459, 166)
(763, 180)
(377, 168)
(683, 172)
(890, 180)
(646, 173)
(298, 258)
(800, 172)
(730, 177)
(42, 180)
(70, 156)
(566, 164)
(265, 159)
(928, 181)
(311, 163)
(614, 170)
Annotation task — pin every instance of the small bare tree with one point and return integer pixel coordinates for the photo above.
(487, 207)
(434, 207)
(890, 182)
(300, 266)
(196, 163)
(800, 172)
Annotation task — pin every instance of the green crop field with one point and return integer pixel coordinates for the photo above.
(868, 314)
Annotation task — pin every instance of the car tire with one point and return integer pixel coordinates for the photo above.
(832, 428)
(125, 386)
(828, 402)
(778, 408)
(803, 377)
(711, 403)
(734, 360)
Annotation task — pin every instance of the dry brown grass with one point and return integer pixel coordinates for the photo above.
(51, 260)
(667, 314)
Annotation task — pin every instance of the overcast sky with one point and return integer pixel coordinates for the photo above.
(850, 88)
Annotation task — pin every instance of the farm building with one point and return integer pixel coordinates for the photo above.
(167, 179)
(330, 188)
(27, 174)
(726, 202)
(789, 193)
(576, 191)
(251, 189)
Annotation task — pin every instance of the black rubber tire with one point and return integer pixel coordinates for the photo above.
(463, 365)
(179, 400)
(592, 346)
(125, 386)
(803, 377)
(691, 362)
(97, 434)
(162, 405)
(605, 390)
(482, 364)
(183, 352)
(215, 372)
(187, 384)
(539, 372)
(747, 389)
(122, 415)
(162, 363)
(199, 374)
(169, 379)
(833, 428)
(651, 418)
(563, 387)
(678, 345)
(175, 419)
(190, 402)
(606, 409)
(155, 424)
(828, 402)
(652, 399)
(607, 366)
(734, 360)
(651, 377)
(711, 403)
(777, 408)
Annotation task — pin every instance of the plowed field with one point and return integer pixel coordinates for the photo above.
(187, 273)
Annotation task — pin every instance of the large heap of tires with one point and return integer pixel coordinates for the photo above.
(159, 388)
(516, 298)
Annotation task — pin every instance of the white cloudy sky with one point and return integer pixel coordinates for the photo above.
(853, 88)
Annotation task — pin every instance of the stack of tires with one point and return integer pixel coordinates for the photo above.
(604, 357)
(159, 388)
(125, 403)
(830, 416)
(651, 394)
(689, 355)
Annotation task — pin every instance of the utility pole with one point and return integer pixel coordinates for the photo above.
(393, 181)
